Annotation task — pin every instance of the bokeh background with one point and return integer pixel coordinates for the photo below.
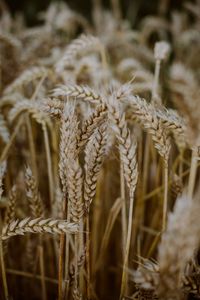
(133, 10)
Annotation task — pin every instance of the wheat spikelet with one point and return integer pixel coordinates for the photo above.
(33, 194)
(177, 247)
(84, 43)
(52, 106)
(10, 211)
(26, 77)
(127, 147)
(27, 225)
(176, 186)
(174, 123)
(80, 263)
(68, 141)
(147, 116)
(4, 132)
(191, 279)
(94, 154)
(74, 185)
(91, 123)
(78, 92)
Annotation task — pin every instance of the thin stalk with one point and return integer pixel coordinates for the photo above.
(3, 269)
(67, 259)
(60, 267)
(31, 145)
(49, 164)
(128, 241)
(123, 210)
(76, 263)
(165, 202)
(116, 9)
(88, 257)
(30, 275)
(42, 271)
(193, 172)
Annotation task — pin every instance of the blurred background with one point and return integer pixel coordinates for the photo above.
(133, 10)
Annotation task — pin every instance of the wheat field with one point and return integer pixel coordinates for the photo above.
(99, 154)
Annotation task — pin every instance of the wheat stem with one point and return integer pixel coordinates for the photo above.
(193, 171)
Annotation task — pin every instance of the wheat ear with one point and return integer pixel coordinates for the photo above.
(127, 148)
(38, 225)
(80, 92)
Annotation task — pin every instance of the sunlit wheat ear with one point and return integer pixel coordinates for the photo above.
(20, 227)
(3, 166)
(146, 278)
(4, 131)
(81, 92)
(127, 147)
(75, 189)
(148, 118)
(94, 155)
(83, 44)
(52, 106)
(89, 125)
(33, 195)
(190, 279)
(174, 124)
(177, 246)
(26, 77)
(11, 209)
(68, 140)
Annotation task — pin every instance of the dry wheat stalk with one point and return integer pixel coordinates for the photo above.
(127, 147)
(28, 225)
